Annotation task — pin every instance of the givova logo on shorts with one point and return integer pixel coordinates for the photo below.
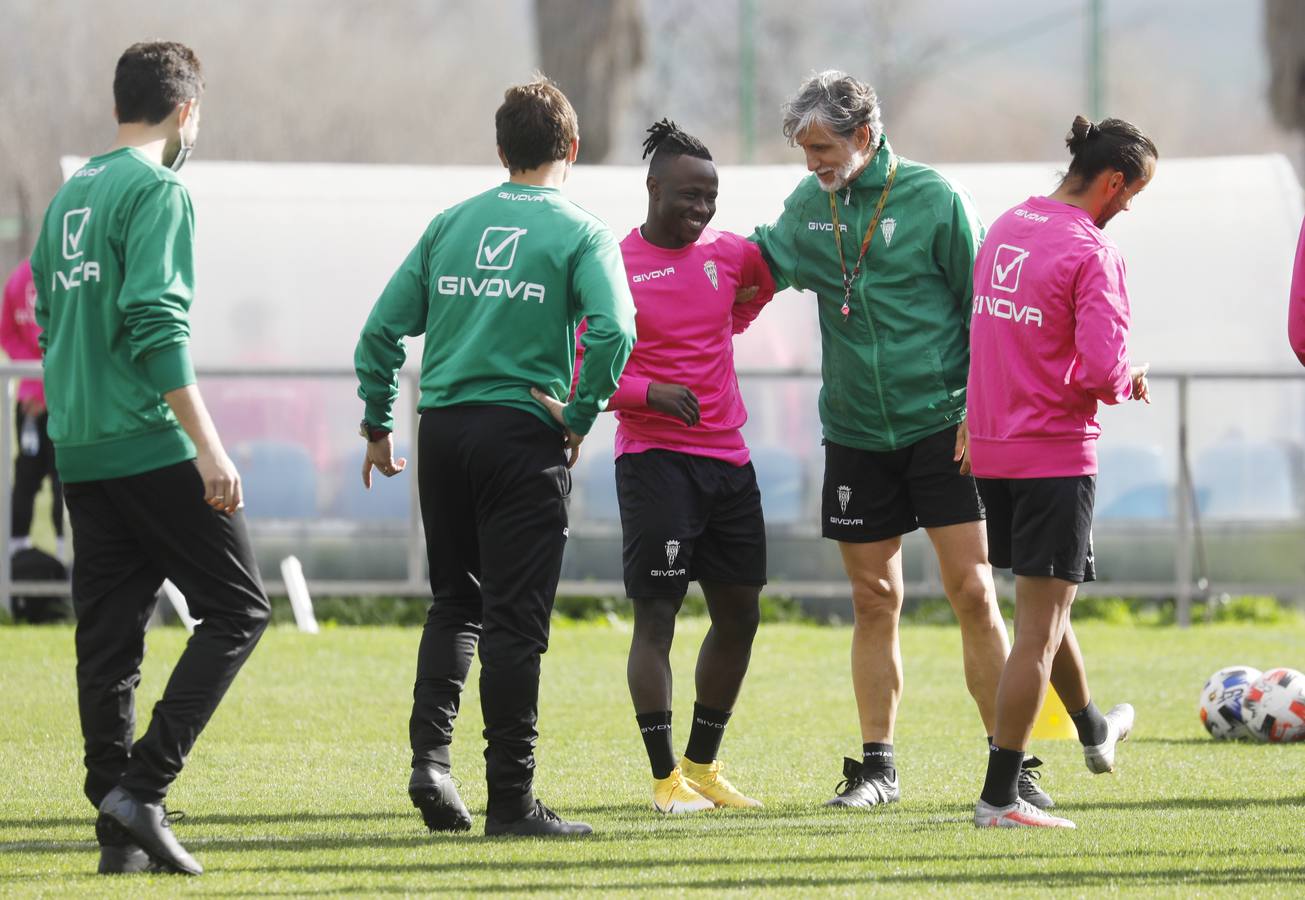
(672, 551)
(844, 498)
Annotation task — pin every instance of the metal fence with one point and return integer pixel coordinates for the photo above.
(1234, 524)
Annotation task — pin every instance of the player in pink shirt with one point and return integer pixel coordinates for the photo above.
(690, 507)
(35, 460)
(1048, 342)
(1296, 307)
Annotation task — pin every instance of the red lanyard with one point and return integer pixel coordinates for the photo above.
(848, 280)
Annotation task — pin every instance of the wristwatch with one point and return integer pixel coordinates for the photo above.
(371, 433)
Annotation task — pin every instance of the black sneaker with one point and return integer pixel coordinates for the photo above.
(150, 826)
(119, 854)
(539, 822)
(435, 794)
(857, 789)
(1030, 791)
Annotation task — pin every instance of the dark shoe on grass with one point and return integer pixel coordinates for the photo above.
(539, 822)
(150, 827)
(861, 790)
(434, 793)
(119, 853)
(1029, 790)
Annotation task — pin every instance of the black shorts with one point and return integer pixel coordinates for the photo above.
(1041, 526)
(688, 518)
(872, 495)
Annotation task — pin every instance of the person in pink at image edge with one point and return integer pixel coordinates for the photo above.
(20, 339)
(1048, 342)
(1296, 310)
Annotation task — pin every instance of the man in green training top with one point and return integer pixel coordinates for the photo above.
(150, 490)
(497, 284)
(888, 246)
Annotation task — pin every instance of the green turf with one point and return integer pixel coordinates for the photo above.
(297, 787)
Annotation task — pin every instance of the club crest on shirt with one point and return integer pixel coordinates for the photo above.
(710, 268)
(888, 226)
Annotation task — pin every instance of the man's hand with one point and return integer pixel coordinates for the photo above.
(380, 454)
(1141, 390)
(962, 454)
(32, 406)
(745, 293)
(222, 489)
(675, 400)
(571, 441)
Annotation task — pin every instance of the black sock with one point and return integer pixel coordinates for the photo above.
(1091, 725)
(1001, 787)
(656, 730)
(706, 733)
(876, 758)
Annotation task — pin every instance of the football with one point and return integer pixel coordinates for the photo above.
(1221, 702)
(1274, 706)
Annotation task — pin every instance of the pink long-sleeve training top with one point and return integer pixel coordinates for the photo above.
(1296, 308)
(19, 333)
(1048, 341)
(686, 319)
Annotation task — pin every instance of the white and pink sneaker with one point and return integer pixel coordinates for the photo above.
(1019, 814)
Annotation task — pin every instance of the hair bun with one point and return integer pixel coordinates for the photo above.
(1080, 132)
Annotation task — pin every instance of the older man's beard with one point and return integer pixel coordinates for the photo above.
(843, 174)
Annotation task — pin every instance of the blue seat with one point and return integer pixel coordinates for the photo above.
(593, 493)
(387, 501)
(278, 478)
(1241, 479)
(1133, 482)
(782, 479)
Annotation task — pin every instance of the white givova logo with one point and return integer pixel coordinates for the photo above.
(710, 268)
(888, 226)
(844, 497)
(498, 247)
(74, 227)
(1007, 264)
(672, 551)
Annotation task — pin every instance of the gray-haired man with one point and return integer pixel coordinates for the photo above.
(888, 247)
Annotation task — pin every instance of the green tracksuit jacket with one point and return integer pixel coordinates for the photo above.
(498, 284)
(114, 273)
(895, 370)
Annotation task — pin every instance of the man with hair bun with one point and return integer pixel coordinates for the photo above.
(1048, 342)
(888, 246)
(497, 284)
(150, 490)
(690, 506)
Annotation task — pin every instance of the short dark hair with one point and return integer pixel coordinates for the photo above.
(665, 140)
(152, 78)
(1108, 144)
(535, 125)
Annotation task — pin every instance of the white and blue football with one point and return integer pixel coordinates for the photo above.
(1222, 712)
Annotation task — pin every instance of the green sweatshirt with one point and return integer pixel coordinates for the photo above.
(498, 284)
(894, 372)
(114, 273)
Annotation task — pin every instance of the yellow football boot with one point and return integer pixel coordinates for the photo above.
(708, 781)
(672, 795)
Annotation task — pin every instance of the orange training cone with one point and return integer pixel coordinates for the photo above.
(1053, 722)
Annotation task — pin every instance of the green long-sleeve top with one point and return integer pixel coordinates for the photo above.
(114, 274)
(498, 284)
(894, 370)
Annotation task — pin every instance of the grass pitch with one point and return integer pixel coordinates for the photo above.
(298, 785)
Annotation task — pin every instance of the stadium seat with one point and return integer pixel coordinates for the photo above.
(279, 479)
(780, 474)
(593, 491)
(388, 500)
(1241, 479)
(1133, 482)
